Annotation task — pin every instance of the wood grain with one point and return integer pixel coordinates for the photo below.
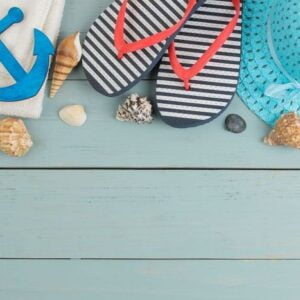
(138, 214)
(106, 143)
(149, 214)
(148, 280)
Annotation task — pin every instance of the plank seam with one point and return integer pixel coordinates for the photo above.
(143, 169)
(156, 259)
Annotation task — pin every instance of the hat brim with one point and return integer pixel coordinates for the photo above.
(258, 69)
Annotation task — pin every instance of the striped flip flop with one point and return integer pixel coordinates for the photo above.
(129, 38)
(198, 77)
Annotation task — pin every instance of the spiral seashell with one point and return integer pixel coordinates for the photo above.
(14, 137)
(68, 56)
(286, 132)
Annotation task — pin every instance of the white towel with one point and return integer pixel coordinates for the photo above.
(45, 15)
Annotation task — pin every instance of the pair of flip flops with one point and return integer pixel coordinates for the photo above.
(198, 43)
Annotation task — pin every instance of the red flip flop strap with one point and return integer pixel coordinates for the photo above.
(123, 47)
(187, 74)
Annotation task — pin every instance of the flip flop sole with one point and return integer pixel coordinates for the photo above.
(214, 87)
(108, 74)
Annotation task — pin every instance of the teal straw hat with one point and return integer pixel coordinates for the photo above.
(270, 70)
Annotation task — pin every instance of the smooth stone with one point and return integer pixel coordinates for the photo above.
(235, 123)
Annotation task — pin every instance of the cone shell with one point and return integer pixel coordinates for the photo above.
(68, 55)
(14, 137)
(286, 132)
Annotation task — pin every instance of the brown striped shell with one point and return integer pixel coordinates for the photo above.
(68, 55)
(286, 132)
(14, 137)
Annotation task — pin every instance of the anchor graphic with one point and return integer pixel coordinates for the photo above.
(28, 84)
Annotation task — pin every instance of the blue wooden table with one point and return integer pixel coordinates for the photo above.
(119, 211)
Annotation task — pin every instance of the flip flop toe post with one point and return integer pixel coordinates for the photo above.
(198, 76)
(129, 38)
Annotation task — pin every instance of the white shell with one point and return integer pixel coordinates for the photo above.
(73, 115)
(78, 46)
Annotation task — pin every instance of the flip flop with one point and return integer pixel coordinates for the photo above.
(129, 38)
(198, 77)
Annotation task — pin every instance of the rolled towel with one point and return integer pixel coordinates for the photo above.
(45, 15)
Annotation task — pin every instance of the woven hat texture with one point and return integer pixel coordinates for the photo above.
(280, 21)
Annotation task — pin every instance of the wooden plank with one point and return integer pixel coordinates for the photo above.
(149, 214)
(105, 142)
(80, 16)
(148, 280)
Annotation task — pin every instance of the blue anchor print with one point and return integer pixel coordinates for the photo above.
(28, 84)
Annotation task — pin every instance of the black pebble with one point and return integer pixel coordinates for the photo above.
(234, 123)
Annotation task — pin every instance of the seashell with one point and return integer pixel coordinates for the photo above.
(14, 137)
(73, 115)
(68, 56)
(135, 109)
(286, 132)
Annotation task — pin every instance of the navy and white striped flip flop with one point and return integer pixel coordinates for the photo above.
(129, 38)
(198, 77)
